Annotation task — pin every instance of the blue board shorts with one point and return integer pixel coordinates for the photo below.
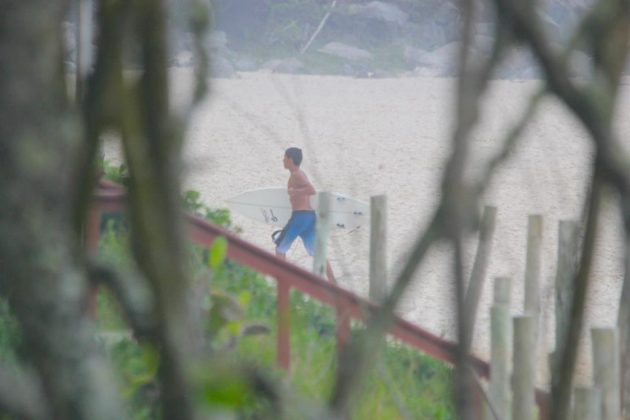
(302, 224)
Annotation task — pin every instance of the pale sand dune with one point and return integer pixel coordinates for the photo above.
(391, 136)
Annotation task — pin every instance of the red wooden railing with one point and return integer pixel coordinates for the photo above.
(110, 197)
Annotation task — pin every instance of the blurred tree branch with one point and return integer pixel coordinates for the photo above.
(21, 395)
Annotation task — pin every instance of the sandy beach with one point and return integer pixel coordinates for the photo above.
(365, 137)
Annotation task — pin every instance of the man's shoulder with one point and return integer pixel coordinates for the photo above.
(302, 175)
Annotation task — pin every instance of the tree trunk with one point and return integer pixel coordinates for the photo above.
(41, 273)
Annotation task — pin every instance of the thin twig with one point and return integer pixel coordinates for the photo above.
(562, 376)
(133, 293)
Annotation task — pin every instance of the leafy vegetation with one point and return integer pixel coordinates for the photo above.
(239, 307)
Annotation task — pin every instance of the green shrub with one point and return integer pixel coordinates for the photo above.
(402, 383)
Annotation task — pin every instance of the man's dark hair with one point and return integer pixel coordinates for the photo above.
(295, 155)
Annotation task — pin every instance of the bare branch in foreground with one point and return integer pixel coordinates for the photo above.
(456, 198)
(134, 295)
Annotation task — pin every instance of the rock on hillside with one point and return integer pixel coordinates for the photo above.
(345, 51)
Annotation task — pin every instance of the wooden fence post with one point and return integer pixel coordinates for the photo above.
(606, 371)
(532, 266)
(321, 234)
(568, 250)
(480, 266)
(623, 328)
(524, 403)
(587, 404)
(378, 248)
(500, 352)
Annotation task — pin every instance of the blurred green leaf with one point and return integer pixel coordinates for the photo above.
(218, 252)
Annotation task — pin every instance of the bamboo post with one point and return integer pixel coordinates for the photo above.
(480, 266)
(606, 372)
(568, 250)
(321, 234)
(524, 403)
(500, 352)
(623, 325)
(378, 248)
(533, 263)
(587, 404)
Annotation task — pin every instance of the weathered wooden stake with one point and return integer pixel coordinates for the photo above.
(500, 352)
(478, 275)
(568, 250)
(378, 248)
(623, 328)
(587, 404)
(606, 371)
(533, 264)
(321, 234)
(524, 403)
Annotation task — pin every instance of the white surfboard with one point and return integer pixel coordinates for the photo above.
(272, 206)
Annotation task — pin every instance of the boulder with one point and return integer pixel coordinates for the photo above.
(447, 17)
(288, 65)
(382, 11)
(413, 56)
(345, 51)
(426, 35)
(440, 62)
(446, 13)
(217, 41)
(245, 64)
(183, 59)
(519, 64)
(483, 44)
(221, 67)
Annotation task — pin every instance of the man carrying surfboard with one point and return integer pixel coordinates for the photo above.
(303, 218)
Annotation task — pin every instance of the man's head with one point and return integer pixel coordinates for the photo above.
(293, 156)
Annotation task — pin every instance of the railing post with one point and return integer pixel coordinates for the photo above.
(606, 372)
(343, 327)
(93, 229)
(500, 352)
(587, 404)
(478, 275)
(524, 362)
(533, 264)
(321, 234)
(284, 329)
(568, 250)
